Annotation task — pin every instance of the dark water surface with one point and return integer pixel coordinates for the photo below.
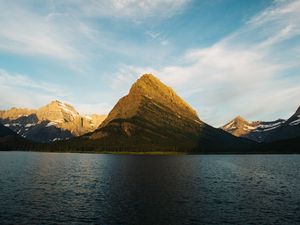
(62, 188)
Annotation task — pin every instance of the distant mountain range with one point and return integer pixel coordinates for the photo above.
(261, 131)
(52, 122)
(151, 118)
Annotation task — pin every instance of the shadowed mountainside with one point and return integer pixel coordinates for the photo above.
(9, 140)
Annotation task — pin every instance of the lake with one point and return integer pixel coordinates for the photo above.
(69, 188)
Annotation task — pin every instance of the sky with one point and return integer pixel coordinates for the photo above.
(224, 57)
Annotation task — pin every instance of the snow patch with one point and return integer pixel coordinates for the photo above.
(29, 124)
(228, 125)
(232, 128)
(88, 117)
(249, 127)
(270, 125)
(67, 109)
(295, 122)
(56, 139)
(271, 128)
(51, 124)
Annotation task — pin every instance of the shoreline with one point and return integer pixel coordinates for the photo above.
(158, 153)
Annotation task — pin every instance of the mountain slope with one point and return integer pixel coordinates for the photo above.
(9, 140)
(153, 118)
(265, 131)
(52, 122)
(288, 130)
(4, 131)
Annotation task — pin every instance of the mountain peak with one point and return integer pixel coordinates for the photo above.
(240, 119)
(57, 111)
(60, 104)
(148, 89)
(148, 76)
(152, 88)
(239, 126)
(147, 84)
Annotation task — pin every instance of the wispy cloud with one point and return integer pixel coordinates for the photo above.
(136, 10)
(157, 36)
(20, 90)
(67, 32)
(253, 72)
(26, 32)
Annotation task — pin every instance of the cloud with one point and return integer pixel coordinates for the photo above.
(74, 33)
(92, 108)
(20, 90)
(253, 72)
(157, 36)
(136, 10)
(31, 33)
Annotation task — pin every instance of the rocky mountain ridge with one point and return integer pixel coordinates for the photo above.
(261, 131)
(52, 122)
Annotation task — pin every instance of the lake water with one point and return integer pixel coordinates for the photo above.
(62, 188)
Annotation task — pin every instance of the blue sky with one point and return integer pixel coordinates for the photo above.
(224, 57)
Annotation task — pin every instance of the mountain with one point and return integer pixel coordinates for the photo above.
(52, 122)
(153, 118)
(239, 126)
(9, 140)
(257, 131)
(288, 130)
(265, 131)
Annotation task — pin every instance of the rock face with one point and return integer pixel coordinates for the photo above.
(260, 131)
(152, 117)
(54, 121)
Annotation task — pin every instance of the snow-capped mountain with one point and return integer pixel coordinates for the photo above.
(52, 122)
(257, 130)
(261, 131)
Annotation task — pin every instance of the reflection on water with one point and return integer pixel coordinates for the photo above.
(47, 188)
